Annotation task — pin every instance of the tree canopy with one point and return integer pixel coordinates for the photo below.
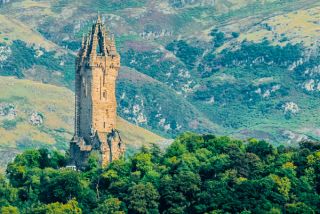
(196, 174)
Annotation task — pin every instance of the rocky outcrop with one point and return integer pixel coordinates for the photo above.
(291, 107)
(7, 111)
(5, 53)
(36, 119)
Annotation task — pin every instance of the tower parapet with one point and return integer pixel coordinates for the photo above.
(97, 67)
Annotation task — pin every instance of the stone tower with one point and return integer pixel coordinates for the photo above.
(97, 68)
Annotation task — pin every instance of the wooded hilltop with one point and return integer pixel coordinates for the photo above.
(196, 174)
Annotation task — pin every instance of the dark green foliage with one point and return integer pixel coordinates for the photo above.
(297, 208)
(218, 38)
(23, 57)
(186, 53)
(260, 148)
(143, 198)
(310, 145)
(72, 45)
(257, 54)
(60, 187)
(8, 194)
(253, 56)
(110, 206)
(197, 174)
(108, 6)
(235, 34)
(9, 124)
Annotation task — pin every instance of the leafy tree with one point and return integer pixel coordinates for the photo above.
(219, 39)
(297, 208)
(260, 148)
(143, 198)
(8, 194)
(61, 187)
(156, 153)
(110, 206)
(9, 210)
(142, 162)
(71, 207)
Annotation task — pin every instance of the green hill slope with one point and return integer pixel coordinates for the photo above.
(247, 68)
(34, 114)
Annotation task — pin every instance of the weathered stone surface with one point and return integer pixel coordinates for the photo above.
(97, 68)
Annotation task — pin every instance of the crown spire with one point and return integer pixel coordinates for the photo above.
(98, 42)
(99, 18)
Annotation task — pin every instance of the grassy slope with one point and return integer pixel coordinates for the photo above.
(13, 29)
(165, 102)
(56, 105)
(135, 136)
(296, 26)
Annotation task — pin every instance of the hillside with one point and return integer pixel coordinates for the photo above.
(245, 68)
(34, 114)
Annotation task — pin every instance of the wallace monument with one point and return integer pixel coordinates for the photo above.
(97, 67)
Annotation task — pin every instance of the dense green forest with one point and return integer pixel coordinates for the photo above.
(196, 174)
